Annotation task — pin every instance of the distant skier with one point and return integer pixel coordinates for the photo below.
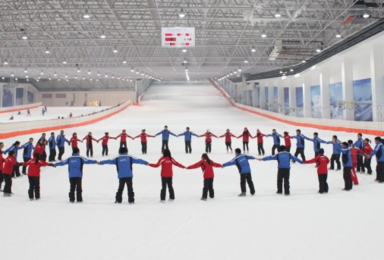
(43, 111)
(73, 142)
(89, 141)
(360, 145)
(260, 142)
(245, 135)
(300, 144)
(379, 153)
(276, 141)
(335, 153)
(123, 138)
(104, 143)
(241, 161)
(316, 142)
(367, 160)
(143, 137)
(28, 112)
(206, 165)
(188, 139)
(165, 137)
(208, 140)
(322, 170)
(27, 153)
(60, 141)
(347, 166)
(228, 139)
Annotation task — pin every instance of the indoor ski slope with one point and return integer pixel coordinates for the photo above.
(305, 225)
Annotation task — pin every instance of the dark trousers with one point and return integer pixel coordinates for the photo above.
(228, 145)
(208, 147)
(24, 171)
(52, 155)
(73, 150)
(367, 164)
(61, 152)
(245, 145)
(164, 145)
(208, 187)
(360, 164)
(347, 178)
(119, 194)
(44, 156)
(7, 183)
(123, 144)
(34, 187)
(260, 148)
(167, 181)
(323, 185)
(246, 178)
(275, 147)
(283, 176)
(105, 150)
(380, 171)
(335, 158)
(89, 150)
(1, 179)
(75, 183)
(144, 148)
(301, 152)
(16, 171)
(288, 149)
(188, 147)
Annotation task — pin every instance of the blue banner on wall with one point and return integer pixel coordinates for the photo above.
(336, 95)
(7, 97)
(19, 96)
(258, 97)
(286, 101)
(299, 102)
(316, 101)
(266, 96)
(275, 107)
(362, 92)
(31, 97)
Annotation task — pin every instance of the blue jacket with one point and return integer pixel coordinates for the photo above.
(300, 140)
(241, 161)
(283, 159)
(13, 148)
(316, 143)
(28, 148)
(52, 143)
(188, 135)
(336, 147)
(124, 165)
(165, 134)
(276, 138)
(75, 165)
(359, 144)
(379, 152)
(346, 158)
(60, 140)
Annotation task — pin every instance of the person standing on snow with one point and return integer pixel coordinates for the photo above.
(15, 148)
(208, 140)
(287, 141)
(165, 138)
(246, 135)
(276, 141)
(360, 145)
(379, 153)
(89, 143)
(316, 142)
(73, 141)
(300, 144)
(123, 138)
(260, 142)
(335, 153)
(27, 154)
(354, 153)
(61, 140)
(347, 166)
(188, 139)
(143, 137)
(104, 143)
(322, 170)
(367, 160)
(228, 139)
(52, 147)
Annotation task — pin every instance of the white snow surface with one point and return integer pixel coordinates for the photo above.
(305, 225)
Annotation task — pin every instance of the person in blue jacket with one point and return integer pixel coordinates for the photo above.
(241, 161)
(336, 144)
(75, 169)
(379, 153)
(52, 147)
(316, 143)
(347, 166)
(165, 135)
(300, 144)
(60, 141)
(283, 159)
(15, 148)
(124, 173)
(360, 145)
(188, 139)
(276, 140)
(27, 154)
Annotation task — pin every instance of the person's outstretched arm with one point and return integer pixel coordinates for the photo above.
(196, 165)
(155, 165)
(312, 160)
(172, 134)
(139, 161)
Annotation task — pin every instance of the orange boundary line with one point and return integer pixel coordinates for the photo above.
(330, 128)
(45, 129)
(21, 109)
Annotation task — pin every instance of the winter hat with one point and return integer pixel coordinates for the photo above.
(321, 151)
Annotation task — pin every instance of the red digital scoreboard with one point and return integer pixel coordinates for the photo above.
(178, 37)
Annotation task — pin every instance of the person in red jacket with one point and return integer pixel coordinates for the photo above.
(260, 142)
(34, 175)
(354, 152)
(1, 164)
(9, 164)
(208, 141)
(143, 136)
(166, 163)
(104, 143)
(206, 166)
(367, 160)
(228, 139)
(40, 147)
(73, 141)
(287, 140)
(322, 170)
(89, 140)
(246, 135)
(123, 138)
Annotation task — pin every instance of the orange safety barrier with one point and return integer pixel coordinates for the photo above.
(324, 127)
(45, 129)
(20, 109)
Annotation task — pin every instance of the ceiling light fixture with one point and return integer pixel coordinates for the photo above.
(47, 51)
(64, 62)
(184, 50)
(277, 14)
(103, 36)
(318, 50)
(89, 72)
(366, 15)
(115, 50)
(5, 62)
(263, 35)
(246, 61)
(86, 15)
(253, 50)
(182, 14)
(124, 62)
(132, 69)
(25, 71)
(338, 35)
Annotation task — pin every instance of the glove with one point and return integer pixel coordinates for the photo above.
(52, 165)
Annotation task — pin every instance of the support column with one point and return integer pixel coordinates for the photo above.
(254, 93)
(347, 80)
(270, 96)
(324, 92)
(262, 95)
(25, 95)
(280, 97)
(376, 60)
(244, 92)
(307, 109)
(292, 96)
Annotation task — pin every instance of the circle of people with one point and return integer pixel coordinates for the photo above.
(353, 155)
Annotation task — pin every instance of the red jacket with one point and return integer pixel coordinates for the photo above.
(10, 161)
(228, 137)
(245, 136)
(166, 166)
(367, 148)
(354, 152)
(321, 163)
(1, 160)
(34, 168)
(260, 138)
(144, 137)
(206, 168)
(123, 137)
(39, 149)
(74, 141)
(89, 139)
(208, 138)
(105, 139)
(287, 139)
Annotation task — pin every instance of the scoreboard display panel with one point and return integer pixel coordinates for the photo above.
(178, 37)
